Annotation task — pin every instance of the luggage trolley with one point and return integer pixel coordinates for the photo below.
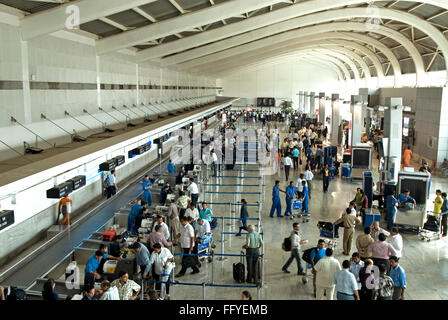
(297, 210)
(431, 228)
(205, 247)
(327, 231)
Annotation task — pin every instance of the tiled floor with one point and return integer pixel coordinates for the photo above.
(426, 263)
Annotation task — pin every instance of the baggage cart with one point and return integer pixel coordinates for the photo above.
(431, 227)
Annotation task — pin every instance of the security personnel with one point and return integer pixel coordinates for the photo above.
(290, 192)
(276, 203)
(391, 207)
(147, 186)
(305, 198)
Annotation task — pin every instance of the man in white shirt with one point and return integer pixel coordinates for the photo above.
(194, 191)
(109, 293)
(309, 177)
(325, 270)
(111, 184)
(376, 230)
(396, 241)
(299, 185)
(162, 260)
(186, 236)
(296, 241)
(214, 162)
(193, 213)
(202, 228)
(288, 165)
(165, 229)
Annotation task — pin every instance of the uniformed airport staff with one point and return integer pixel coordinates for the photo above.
(276, 203)
(405, 197)
(290, 192)
(147, 186)
(391, 207)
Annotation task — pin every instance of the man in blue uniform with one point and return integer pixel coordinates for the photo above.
(305, 198)
(276, 203)
(391, 207)
(135, 210)
(405, 197)
(147, 186)
(170, 167)
(290, 192)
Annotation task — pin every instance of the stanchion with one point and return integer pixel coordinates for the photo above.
(203, 290)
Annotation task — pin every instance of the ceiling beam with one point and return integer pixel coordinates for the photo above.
(52, 1)
(145, 14)
(53, 20)
(276, 16)
(274, 31)
(114, 24)
(168, 27)
(178, 7)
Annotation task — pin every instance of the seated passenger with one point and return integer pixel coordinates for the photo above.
(48, 293)
(89, 293)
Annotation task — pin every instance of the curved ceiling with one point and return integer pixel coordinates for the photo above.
(376, 39)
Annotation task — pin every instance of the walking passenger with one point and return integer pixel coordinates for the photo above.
(296, 241)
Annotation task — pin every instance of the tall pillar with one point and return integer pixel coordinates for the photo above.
(312, 104)
(364, 93)
(301, 106)
(322, 115)
(335, 118)
(306, 97)
(356, 110)
(393, 128)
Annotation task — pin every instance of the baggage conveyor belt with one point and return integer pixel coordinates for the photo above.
(24, 273)
(51, 253)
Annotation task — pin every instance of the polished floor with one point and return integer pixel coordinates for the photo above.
(425, 263)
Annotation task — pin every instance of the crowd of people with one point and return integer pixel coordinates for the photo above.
(355, 278)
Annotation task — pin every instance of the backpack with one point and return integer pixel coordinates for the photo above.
(307, 254)
(286, 245)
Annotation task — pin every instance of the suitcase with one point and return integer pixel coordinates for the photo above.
(239, 270)
(109, 235)
(296, 205)
(346, 172)
(110, 266)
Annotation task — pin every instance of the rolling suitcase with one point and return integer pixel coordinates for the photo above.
(109, 235)
(239, 270)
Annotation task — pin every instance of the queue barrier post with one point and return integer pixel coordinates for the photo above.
(203, 290)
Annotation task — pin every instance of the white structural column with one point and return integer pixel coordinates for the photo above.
(356, 110)
(306, 96)
(27, 118)
(312, 104)
(393, 130)
(185, 22)
(59, 18)
(335, 121)
(98, 81)
(364, 93)
(137, 82)
(322, 115)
